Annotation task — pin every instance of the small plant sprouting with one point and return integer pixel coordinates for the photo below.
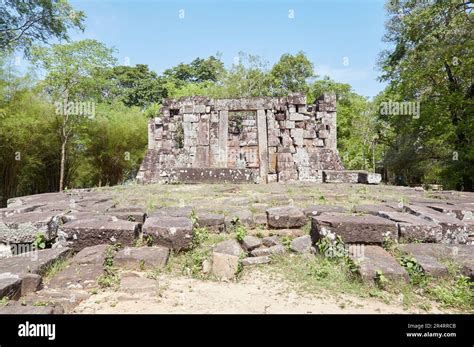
(239, 229)
(380, 280)
(40, 241)
(110, 278)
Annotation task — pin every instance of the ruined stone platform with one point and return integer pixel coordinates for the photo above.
(432, 227)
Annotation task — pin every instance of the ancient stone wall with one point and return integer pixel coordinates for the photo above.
(247, 140)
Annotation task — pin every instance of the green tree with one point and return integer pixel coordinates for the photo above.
(25, 22)
(71, 79)
(112, 146)
(430, 61)
(291, 74)
(134, 85)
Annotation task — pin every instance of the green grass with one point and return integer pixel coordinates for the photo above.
(54, 268)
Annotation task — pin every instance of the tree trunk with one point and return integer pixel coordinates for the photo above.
(63, 162)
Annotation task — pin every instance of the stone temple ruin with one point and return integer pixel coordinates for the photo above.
(260, 140)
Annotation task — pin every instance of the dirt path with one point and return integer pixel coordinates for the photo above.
(256, 292)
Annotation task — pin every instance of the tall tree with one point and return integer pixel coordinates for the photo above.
(431, 61)
(291, 74)
(70, 79)
(25, 22)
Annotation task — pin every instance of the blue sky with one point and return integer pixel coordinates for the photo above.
(152, 32)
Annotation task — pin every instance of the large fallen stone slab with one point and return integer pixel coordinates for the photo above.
(35, 262)
(412, 228)
(172, 232)
(454, 230)
(91, 255)
(316, 210)
(353, 229)
(372, 209)
(142, 258)
(244, 217)
(83, 270)
(30, 283)
(461, 211)
(24, 227)
(10, 286)
(15, 308)
(91, 232)
(132, 214)
(429, 263)
(351, 176)
(460, 254)
(374, 261)
(175, 211)
(214, 222)
(284, 217)
(63, 300)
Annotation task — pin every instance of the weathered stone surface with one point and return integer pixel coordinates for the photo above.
(430, 264)
(186, 145)
(336, 176)
(245, 217)
(316, 210)
(76, 276)
(413, 228)
(270, 241)
(23, 227)
(28, 309)
(301, 244)
(224, 265)
(353, 229)
(61, 300)
(91, 255)
(454, 230)
(376, 260)
(372, 209)
(231, 247)
(35, 262)
(136, 284)
(143, 258)
(10, 285)
(460, 254)
(173, 232)
(132, 214)
(30, 283)
(175, 211)
(267, 251)
(207, 175)
(90, 232)
(285, 217)
(256, 260)
(212, 221)
(462, 211)
(249, 243)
